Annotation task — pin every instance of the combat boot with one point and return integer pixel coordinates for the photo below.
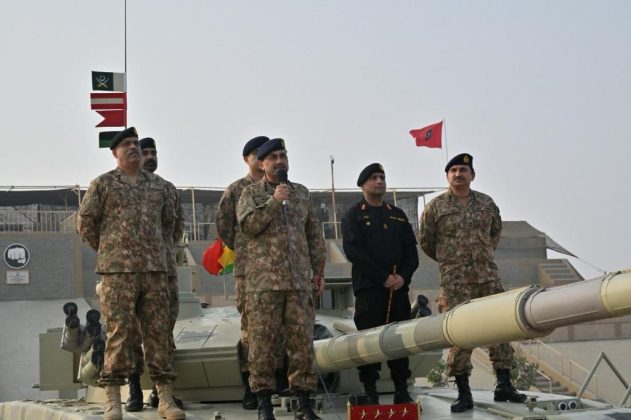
(304, 411)
(401, 394)
(249, 401)
(134, 402)
(505, 391)
(154, 401)
(166, 407)
(264, 400)
(153, 398)
(370, 389)
(465, 399)
(112, 409)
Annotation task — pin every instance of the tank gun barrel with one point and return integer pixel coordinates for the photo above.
(518, 314)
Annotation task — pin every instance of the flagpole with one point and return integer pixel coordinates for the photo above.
(125, 24)
(446, 149)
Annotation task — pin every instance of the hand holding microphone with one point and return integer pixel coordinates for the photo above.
(281, 193)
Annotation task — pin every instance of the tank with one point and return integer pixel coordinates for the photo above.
(207, 357)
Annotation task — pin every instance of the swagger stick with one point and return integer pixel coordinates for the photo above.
(394, 271)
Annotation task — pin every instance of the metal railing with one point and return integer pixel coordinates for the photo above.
(37, 221)
(591, 374)
(542, 353)
(547, 378)
(579, 381)
(539, 345)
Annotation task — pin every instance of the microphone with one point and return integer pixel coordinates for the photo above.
(281, 174)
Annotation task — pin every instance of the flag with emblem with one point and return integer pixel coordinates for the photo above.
(114, 82)
(410, 411)
(430, 136)
(218, 259)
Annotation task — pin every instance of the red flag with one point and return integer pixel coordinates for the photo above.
(210, 258)
(430, 136)
(115, 118)
(113, 100)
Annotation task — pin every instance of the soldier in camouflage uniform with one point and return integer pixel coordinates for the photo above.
(230, 233)
(460, 229)
(149, 162)
(123, 216)
(285, 264)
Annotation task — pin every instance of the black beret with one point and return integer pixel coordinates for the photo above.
(269, 147)
(122, 135)
(368, 171)
(254, 144)
(461, 159)
(147, 142)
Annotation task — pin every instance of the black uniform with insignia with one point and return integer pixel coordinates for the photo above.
(379, 241)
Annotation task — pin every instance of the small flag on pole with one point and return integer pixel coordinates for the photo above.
(102, 80)
(105, 139)
(218, 259)
(113, 100)
(430, 136)
(113, 118)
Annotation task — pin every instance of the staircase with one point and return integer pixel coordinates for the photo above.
(557, 272)
(546, 385)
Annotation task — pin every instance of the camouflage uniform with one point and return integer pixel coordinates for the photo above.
(282, 253)
(463, 240)
(170, 240)
(230, 233)
(125, 224)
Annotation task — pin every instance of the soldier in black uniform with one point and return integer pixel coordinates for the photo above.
(379, 242)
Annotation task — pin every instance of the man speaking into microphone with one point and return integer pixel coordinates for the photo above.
(284, 269)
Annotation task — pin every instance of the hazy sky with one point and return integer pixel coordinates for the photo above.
(539, 92)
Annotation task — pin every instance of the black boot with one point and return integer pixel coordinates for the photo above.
(372, 397)
(249, 398)
(505, 391)
(304, 411)
(401, 394)
(134, 402)
(465, 400)
(264, 400)
(153, 398)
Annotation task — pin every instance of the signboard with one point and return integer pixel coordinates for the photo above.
(17, 256)
(18, 277)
